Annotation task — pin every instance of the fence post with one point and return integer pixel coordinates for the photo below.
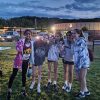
(93, 45)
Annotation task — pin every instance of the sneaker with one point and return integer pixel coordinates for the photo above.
(38, 90)
(87, 93)
(80, 95)
(68, 89)
(55, 88)
(48, 87)
(8, 95)
(64, 87)
(23, 93)
(32, 85)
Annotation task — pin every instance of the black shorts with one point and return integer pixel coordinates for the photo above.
(51, 61)
(68, 62)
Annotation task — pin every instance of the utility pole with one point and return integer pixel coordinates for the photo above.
(35, 23)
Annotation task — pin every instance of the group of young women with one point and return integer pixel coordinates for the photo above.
(72, 49)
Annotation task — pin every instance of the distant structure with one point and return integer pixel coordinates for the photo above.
(93, 27)
(79, 25)
(20, 30)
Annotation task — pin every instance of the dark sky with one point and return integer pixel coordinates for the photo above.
(50, 8)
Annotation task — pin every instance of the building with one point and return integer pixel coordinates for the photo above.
(93, 27)
(79, 25)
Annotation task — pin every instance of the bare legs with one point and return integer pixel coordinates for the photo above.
(39, 77)
(68, 76)
(82, 78)
(55, 71)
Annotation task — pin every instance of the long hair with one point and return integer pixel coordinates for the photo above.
(26, 31)
(68, 33)
(79, 32)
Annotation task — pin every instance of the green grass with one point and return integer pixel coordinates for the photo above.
(6, 62)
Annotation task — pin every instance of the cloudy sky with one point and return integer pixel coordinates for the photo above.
(50, 8)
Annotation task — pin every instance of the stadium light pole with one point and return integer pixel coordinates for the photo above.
(53, 29)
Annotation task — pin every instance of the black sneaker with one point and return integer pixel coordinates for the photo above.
(87, 93)
(8, 95)
(55, 88)
(48, 87)
(23, 93)
(80, 95)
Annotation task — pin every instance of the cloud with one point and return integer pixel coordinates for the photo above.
(82, 7)
(49, 8)
(85, 1)
(31, 4)
(53, 8)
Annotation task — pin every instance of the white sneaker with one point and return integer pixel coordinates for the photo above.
(38, 89)
(32, 85)
(87, 93)
(64, 87)
(68, 89)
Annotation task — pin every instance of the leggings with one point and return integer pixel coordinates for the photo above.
(24, 71)
(12, 77)
(14, 73)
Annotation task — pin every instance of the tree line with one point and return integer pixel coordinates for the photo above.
(39, 22)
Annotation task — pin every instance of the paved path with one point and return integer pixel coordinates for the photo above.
(4, 48)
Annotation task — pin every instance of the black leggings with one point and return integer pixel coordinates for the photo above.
(14, 73)
(12, 77)
(24, 71)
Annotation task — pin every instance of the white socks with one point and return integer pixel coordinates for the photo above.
(70, 85)
(85, 90)
(38, 84)
(38, 88)
(49, 80)
(32, 84)
(66, 83)
(54, 82)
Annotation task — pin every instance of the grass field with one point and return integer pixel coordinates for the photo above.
(6, 63)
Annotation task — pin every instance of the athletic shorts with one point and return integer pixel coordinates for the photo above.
(52, 61)
(68, 62)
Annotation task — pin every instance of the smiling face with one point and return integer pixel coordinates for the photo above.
(76, 34)
(28, 35)
(69, 36)
(58, 36)
(73, 37)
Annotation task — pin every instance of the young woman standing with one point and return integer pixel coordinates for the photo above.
(53, 57)
(21, 61)
(82, 61)
(68, 62)
(40, 51)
